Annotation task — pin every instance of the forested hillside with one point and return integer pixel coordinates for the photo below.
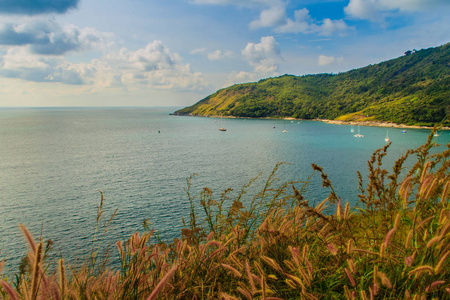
(412, 89)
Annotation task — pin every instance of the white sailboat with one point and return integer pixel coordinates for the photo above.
(387, 136)
(358, 134)
(352, 129)
(284, 131)
(221, 126)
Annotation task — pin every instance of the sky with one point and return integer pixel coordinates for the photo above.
(176, 52)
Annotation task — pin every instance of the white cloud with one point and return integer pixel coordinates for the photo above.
(362, 9)
(273, 16)
(48, 37)
(219, 55)
(19, 63)
(328, 60)
(303, 23)
(263, 57)
(241, 77)
(198, 51)
(378, 10)
(329, 27)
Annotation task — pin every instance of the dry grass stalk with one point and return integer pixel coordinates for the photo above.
(62, 277)
(11, 293)
(36, 273)
(232, 270)
(441, 262)
(422, 269)
(28, 237)
(164, 281)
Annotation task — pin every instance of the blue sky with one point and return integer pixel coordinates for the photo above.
(176, 52)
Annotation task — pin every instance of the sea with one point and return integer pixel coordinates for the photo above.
(56, 163)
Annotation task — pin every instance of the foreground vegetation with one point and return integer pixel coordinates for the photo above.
(395, 245)
(411, 90)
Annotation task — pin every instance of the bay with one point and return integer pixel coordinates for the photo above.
(54, 162)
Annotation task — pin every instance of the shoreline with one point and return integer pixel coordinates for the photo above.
(380, 124)
(335, 122)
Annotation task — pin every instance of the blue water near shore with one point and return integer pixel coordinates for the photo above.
(54, 162)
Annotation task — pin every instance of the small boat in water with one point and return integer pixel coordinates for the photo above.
(352, 129)
(221, 127)
(387, 136)
(358, 134)
(403, 131)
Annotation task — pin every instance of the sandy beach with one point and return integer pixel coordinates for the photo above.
(379, 124)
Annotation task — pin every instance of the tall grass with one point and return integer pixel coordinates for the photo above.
(394, 245)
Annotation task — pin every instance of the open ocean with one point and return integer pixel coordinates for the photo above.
(54, 162)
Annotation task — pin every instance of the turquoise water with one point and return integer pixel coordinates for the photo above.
(54, 162)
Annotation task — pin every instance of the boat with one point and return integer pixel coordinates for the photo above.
(358, 134)
(221, 127)
(436, 134)
(387, 136)
(403, 131)
(284, 131)
(352, 129)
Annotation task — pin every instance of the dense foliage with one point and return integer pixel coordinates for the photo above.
(395, 245)
(412, 89)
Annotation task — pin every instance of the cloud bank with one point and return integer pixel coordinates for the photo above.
(19, 63)
(153, 66)
(36, 7)
(35, 50)
(49, 38)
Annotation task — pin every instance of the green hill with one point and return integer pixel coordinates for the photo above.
(412, 89)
